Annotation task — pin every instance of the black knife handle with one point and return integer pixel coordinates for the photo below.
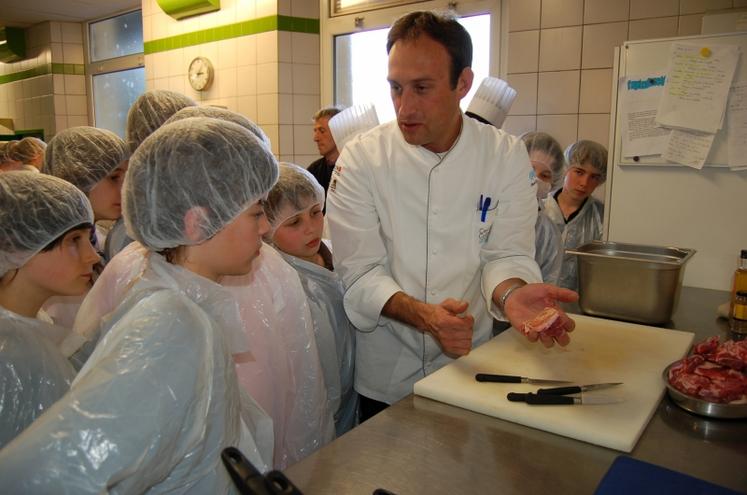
(516, 397)
(549, 400)
(559, 390)
(487, 377)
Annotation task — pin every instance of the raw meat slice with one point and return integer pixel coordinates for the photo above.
(545, 322)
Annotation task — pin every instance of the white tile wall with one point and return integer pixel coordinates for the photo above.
(560, 48)
(696, 6)
(659, 27)
(599, 42)
(689, 24)
(596, 11)
(564, 128)
(557, 13)
(596, 91)
(557, 92)
(594, 127)
(523, 15)
(523, 51)
(653, 8)
(526, 93)
(519, 124)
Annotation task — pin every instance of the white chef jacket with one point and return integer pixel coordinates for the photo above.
(403, 218)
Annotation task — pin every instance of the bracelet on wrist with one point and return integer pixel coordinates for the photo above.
(507, 293)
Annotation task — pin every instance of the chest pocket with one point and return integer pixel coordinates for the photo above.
(483, 222)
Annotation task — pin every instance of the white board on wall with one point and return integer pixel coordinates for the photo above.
(670, 205)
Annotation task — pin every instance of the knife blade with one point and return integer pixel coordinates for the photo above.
(576, 389)
(489, 377)
(550, 399)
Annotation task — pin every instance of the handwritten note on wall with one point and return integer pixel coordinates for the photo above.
(737, 125)
(698, 81)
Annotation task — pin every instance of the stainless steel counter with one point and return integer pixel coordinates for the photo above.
(423, 446)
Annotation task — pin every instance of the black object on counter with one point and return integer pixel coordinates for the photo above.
(249, 481)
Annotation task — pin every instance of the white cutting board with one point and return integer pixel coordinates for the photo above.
(600, 351)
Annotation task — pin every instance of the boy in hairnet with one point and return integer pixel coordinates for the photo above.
(275, 317)
(546, 158)
(158, 400)
(294, 210)
(94, 160)
(149, 112)
(45, 250)
(577, 214)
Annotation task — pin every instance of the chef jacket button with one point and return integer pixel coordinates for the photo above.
(435, 251)
(433, 292)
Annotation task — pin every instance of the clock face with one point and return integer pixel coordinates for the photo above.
(200, 73)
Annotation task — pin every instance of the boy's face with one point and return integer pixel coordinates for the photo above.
(581, 180)
(65, 270)
(301, 234)
(106, 196)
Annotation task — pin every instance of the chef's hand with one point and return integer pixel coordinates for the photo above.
(528, 301)
(451, 326)
(447, 322)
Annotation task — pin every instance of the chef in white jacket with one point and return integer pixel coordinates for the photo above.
(432, 220)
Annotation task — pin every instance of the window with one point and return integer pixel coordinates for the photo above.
(116, 68)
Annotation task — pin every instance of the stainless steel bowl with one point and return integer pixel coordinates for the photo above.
(630, 281)
(702, 406)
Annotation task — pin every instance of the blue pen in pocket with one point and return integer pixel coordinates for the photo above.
(484, 205)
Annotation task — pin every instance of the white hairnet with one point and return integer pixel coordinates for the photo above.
(545, 143)
(222, 114)
(150, 111)
(591, 152)
(210, 166)
(84, 155)
(295, 191)
(36, 209)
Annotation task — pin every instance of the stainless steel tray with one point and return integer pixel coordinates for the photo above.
(701, 406)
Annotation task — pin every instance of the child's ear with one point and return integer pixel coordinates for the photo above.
(194, 221)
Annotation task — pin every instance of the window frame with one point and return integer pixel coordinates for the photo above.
(117, 64)
(378, 18)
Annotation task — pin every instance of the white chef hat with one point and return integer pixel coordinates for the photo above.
(492, 101)
(351, 122)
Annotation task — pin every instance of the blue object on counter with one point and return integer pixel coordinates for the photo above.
(628, 475)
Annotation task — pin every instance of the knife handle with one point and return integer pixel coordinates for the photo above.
(487, 377)
(516, 397)
(559, 391)
(548, 400)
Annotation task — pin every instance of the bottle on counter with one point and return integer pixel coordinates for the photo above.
(738, 309)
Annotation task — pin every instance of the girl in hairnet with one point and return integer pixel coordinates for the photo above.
(275, 318)
(158, 400)
(294, 210)
(546, 158)
(45, 250)
(577, 214)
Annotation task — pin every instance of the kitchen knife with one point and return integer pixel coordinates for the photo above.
(488, 377)
(576, 389)
(550, 399)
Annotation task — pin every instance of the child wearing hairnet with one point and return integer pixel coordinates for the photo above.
(294, 210)
(45, 250)
(275, 318)
(577, 214)
(95, 161)
(546, 158)
(158, 400)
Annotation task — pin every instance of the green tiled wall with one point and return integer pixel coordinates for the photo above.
(77, 69)
(254, 26)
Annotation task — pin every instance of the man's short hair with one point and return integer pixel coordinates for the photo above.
(327, 112)
(442, 28)
(591, 152)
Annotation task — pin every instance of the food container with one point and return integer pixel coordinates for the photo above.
(701, 406)
(630, 281)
